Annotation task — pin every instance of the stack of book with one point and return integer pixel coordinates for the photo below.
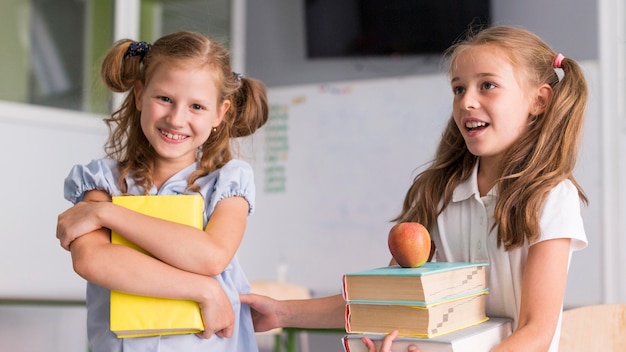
(436, 303)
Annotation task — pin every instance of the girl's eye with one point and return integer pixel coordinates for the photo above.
(196, 106)
(458, 90)
(165, 99)
(488, 85)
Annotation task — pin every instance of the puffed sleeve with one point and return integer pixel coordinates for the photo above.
(561, 216)
(235, 179)
(98, 174)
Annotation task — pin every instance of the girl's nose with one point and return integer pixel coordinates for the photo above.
(177, 116)
(469, 101)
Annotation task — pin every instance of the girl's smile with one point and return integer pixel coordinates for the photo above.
(172, 136)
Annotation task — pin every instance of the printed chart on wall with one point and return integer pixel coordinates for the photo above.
(332, 166)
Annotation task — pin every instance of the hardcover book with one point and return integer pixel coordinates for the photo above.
(481, 337)
(415, 318)
(135, 316)
(430, 283)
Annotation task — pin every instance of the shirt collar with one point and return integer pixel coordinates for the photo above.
(467, 188)
(176, 184)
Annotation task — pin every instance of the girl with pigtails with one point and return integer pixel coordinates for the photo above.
(500, 188)
(170, 136)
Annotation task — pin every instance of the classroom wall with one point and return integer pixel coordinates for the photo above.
(275, 50)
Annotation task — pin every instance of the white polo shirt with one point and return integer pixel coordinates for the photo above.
(462, 234)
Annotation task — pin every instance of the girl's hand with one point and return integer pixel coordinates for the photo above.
(386, 345)
(82, 218)
(264, 311)
(218, 315)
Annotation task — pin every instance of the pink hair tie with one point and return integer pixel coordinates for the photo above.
(558, 60)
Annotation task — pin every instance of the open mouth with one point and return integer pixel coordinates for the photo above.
(475, 125)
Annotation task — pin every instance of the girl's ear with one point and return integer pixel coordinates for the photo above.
(544, 94)
(223, 109)
(138, 90)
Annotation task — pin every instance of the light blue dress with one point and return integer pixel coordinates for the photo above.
(233, 179)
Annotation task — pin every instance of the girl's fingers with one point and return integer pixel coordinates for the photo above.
(388, 341)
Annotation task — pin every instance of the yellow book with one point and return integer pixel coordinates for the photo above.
(135, 316)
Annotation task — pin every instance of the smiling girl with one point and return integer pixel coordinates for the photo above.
(170, 136)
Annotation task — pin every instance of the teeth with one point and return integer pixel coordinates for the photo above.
(474, 124)
(173, 136)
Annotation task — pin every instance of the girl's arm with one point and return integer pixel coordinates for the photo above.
(543, 288)
(124, 269)
(317, 313)
(203, 252)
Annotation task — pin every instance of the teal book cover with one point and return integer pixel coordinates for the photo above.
(427, 284)
(428, 268)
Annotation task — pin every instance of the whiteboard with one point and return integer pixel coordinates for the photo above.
(332, 167)
(325, 199)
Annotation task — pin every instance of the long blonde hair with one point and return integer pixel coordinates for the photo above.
(543, 156)
(127, 143)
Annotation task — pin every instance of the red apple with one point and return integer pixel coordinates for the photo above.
(409, 244)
